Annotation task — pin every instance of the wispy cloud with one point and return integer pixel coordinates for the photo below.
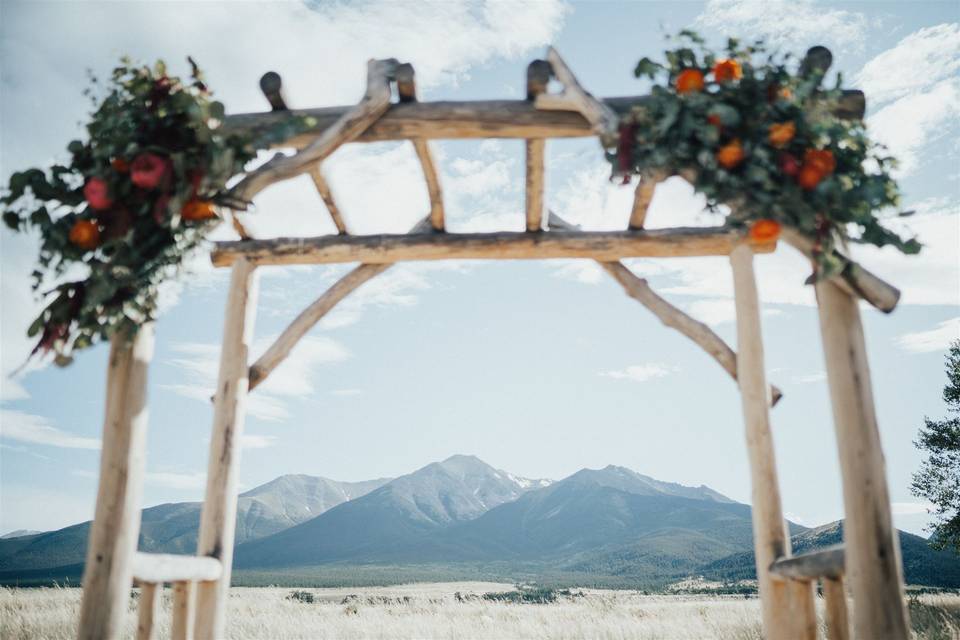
(255, 441)
(34, 429)
(936, 339)
(910, 508)
(810, 378)
(291, 379)
(796, 24)
(641, 372)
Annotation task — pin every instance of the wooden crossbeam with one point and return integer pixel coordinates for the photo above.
(670, 315)
(407, 90)
(309, 317)
(167, 567)
(822, 563)
(503, 245)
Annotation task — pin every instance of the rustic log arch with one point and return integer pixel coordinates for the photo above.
(870, 556)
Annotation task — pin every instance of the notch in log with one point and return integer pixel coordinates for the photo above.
(538, 77)
(272, 86)
(406, 82)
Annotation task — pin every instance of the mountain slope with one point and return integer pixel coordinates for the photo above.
(922, 565)
(172, 528)
(389, 524)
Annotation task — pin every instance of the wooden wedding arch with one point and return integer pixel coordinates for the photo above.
(869, 559)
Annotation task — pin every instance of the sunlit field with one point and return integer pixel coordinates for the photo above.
(454, 610)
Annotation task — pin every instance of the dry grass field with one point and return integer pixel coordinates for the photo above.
(454, 610)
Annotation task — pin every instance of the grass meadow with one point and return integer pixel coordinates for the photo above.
(453, 610)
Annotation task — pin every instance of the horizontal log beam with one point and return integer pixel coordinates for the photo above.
(157, 568)
(504, 245)
(461, 119)
(823, 563)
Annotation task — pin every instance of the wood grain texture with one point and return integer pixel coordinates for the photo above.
(380, 249)
(873, 566)
(535, 151)
(425, 155)
(822, 563)
(219, 514)
(787, 606)
(835, 609)
(108, 570)
(458, 119)
(326, 194)
(184, 611)
(169, 567)
(642, 197)
(148, 607)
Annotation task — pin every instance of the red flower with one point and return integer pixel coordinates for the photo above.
(788, 164)
(714, 119)
(820, 159)
(809, 177)
(85, 234)
(120, 165)
(147, 170)
(197, 210)
(97, 194)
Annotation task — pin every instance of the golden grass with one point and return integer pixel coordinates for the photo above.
(433, 611)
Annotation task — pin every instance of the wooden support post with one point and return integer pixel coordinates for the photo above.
(787, 605)
(147, 610)
(642, 198)
(181, 627)
(835, 609)
(872, 548)
(407, 92)
(538, 77)
(108, 572)
(219, 515)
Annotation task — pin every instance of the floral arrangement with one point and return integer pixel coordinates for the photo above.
(764, 141)
(134, 199)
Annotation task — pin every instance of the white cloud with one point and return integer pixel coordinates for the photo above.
(641, 372)
(937, 339)
(291, 379)
(797, 24)
(810, 378)
(173, 480)
(910, 508)
(254, 441)
(920, 60)
(582, 271)
(33, 429)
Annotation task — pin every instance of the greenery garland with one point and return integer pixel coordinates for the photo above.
(135, 198)
(766, 142)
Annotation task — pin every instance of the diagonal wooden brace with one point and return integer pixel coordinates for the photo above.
(574, 97)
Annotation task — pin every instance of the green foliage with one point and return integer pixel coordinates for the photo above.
(677, 131)
(140, 234)
(531, 594)
(301, 596)
(939, 477)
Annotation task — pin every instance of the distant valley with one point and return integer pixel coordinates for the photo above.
(462, 518)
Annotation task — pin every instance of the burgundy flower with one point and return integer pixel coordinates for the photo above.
(148, 170)
(97, 194)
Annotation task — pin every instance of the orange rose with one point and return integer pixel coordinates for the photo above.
(197, 210)
(820, 159)
(85, 234)
(780, 134)
(809, 177)
(727, 70)
(730, 155)
(689, 80)
(764, 231)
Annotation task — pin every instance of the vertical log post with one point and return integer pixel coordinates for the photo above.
(538, 77)
(219, 515)
(147, 610)
(871, 544)
(108, 572)
(183, 611)
(835, 609)
(787, 605)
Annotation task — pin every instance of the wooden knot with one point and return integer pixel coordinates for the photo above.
(272, 84)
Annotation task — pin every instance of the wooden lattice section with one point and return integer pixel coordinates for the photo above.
(870, 558)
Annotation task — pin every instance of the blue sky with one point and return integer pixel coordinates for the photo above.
(538, 368)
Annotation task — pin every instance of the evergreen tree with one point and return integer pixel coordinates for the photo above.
(939, 478)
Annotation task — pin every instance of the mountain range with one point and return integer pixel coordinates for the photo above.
(609, 525)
